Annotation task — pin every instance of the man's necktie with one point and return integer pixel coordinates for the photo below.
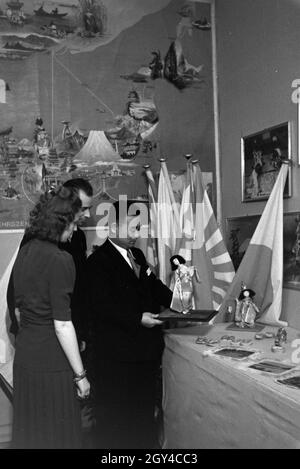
(135, 266)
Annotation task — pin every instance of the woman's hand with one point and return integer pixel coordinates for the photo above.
(83, 388)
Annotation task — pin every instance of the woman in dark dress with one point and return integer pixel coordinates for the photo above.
(48, 374)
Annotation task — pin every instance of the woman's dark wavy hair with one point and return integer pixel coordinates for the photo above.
(179, 258)
(52, 214)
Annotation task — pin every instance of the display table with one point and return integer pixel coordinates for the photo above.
(216, 402)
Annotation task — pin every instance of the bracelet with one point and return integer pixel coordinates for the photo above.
(80, 376)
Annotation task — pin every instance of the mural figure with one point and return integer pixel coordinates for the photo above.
(94, 18)
(174, 67)
(14, 12)
(11, 193)
(188, 22)
(156, 66)
(39, 127)
(177, 69)
(185, 25)
(90, 22)
(136, 124)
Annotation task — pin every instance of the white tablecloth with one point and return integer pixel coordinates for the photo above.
(215, 402)
(6, 411)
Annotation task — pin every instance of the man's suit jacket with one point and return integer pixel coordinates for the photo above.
(116, 299)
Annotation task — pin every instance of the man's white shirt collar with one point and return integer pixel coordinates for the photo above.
(122, 251)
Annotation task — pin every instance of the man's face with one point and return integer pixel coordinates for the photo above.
(128, 233)
(85, 208)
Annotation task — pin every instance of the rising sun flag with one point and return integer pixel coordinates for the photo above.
(168, 224)
(151, 246)
(262, 266)
(209, 253)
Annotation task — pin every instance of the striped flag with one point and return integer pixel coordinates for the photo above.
(209, 253)
(262, 266)
(168, 224)
(151, 245)
(187, 207)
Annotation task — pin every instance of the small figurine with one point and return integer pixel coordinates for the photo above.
(183, 293)
(246, 310)
(281, 337)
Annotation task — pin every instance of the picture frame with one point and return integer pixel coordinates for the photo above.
(261, 156)
(290, 379)
(291, 250)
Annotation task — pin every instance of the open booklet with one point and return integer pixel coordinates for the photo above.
(291, 379)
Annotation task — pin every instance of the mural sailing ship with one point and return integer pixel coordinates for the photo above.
(52, 14)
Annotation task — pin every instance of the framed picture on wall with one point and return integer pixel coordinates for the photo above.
(261, 158)
(291, 250)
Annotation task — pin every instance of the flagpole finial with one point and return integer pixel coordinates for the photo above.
(188, 156)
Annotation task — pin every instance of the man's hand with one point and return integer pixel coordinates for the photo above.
(149, 320)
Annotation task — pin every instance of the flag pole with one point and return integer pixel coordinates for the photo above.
(150, 179)
(152, 249)
(170, 189)
(216, 116)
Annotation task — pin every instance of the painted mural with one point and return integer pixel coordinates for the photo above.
(98, 89)
(78, 25)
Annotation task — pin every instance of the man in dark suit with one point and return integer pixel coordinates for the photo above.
(77, 248)
(124, 297)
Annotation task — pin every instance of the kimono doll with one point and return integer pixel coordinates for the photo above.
(182, 285)
(246, 310)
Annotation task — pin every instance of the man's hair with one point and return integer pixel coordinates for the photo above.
(78, 184)
(52, 214)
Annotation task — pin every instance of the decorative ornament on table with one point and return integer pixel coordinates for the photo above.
(281, 337)
(246, 311)
(182, 284)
